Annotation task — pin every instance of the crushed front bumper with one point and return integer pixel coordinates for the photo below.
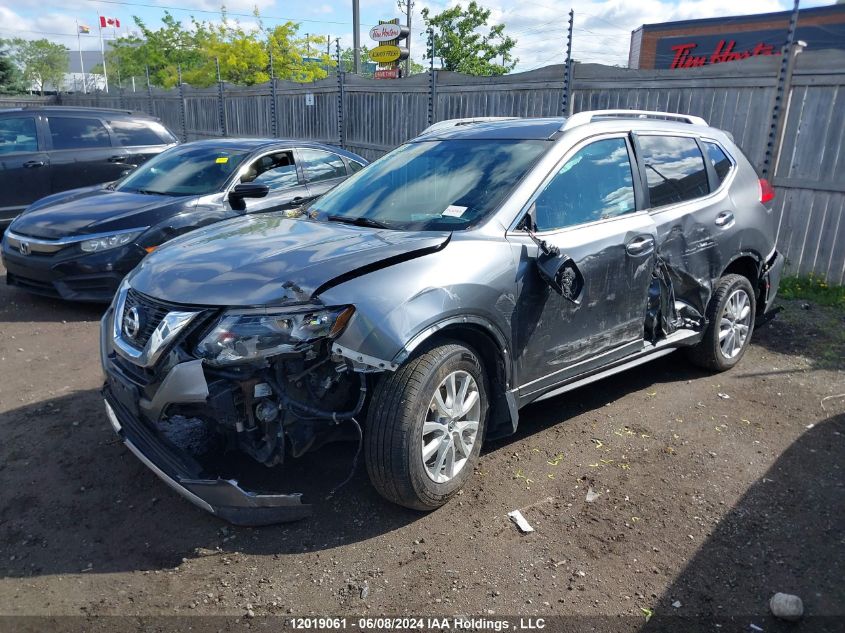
(222, 497)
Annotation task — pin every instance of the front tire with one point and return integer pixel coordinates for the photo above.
(730, 316)
(426, 426)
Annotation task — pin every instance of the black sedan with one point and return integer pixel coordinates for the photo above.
(79, 244)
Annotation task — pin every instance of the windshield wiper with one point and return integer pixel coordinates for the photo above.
(150, 192)
(358, 221)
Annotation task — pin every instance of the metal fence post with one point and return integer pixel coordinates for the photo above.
(432, 79)
(221, 103)
(565, 105)
(274, 122)
(340, 77)
(182, 116)
(150, 93)
(781, 93)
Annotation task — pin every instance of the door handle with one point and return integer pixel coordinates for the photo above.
(725, 219)
(117, 159)
(640, 245)
(32, 164)
(297, 199)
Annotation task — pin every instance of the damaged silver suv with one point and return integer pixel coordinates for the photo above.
(484, 265)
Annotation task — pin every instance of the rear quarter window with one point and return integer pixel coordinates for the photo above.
(674, 169)
(133, 133)
(720, 161)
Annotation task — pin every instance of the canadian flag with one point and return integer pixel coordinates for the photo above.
(104, 22)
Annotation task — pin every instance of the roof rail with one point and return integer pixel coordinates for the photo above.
(588, 116)
(448, 123)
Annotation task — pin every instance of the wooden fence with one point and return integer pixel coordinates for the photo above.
(373, 116)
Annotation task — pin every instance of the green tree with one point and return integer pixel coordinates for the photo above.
(11, 79)
(42, 62)
(462, 45)
(244, 55)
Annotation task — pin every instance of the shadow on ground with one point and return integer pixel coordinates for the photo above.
(784, 535)
(64, 468)
(17, 306)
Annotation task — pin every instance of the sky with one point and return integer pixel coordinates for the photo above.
(601, 32)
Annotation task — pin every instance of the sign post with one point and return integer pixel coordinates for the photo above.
(388, 53)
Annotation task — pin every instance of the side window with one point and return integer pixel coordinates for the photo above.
(78, 133)
(319, 165)
(594, 184)
(721, 163)
(354, 166)
(133, 133)
(674, 169)
(277, 171)
(18, 134)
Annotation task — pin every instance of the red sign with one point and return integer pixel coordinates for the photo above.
(387, 73)
(685, 56)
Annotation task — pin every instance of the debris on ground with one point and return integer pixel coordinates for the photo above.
(592, 495)
(520, 521)
(723, 396)
(786, 607)
(677, 604)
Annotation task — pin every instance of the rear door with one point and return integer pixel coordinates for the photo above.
(686, 215)
(278, 171)
(24, 164)
(591, 208)
(82, 153)
(322, 170)
(141, 138)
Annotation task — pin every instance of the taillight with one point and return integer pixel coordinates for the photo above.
(767, 192)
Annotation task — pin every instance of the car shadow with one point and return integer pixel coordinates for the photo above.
(67, 473)
(784, 535)
(19, 306)
(536, 418)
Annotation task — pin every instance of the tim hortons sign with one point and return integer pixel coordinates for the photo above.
(385, 32)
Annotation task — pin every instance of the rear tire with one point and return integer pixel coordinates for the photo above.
(425, 427)
(730, 316)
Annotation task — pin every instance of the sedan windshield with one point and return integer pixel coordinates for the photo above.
(431, 185)
(184, 171)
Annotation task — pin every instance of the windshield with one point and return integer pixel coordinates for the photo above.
(184, 171)
(431, 185)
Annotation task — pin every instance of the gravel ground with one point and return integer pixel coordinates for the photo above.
(664, 485)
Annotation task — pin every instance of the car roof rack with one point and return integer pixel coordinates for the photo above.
(450, 123)
(581, 118)
(35, 106)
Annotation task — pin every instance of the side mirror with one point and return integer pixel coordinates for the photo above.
(562, 275)
(248, 190)
(245, 190)
(555, 268)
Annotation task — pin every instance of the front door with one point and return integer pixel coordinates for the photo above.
(277, 171)
(24, 166)
(591, 209)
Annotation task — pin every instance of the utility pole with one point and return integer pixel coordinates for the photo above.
(356, 37)
(308, 44)
(407, 7)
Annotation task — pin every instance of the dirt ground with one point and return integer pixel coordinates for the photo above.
(711, 492)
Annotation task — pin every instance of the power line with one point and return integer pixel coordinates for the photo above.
(238, 15)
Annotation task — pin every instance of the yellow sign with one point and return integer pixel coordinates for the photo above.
(222, 159)
(385, 53)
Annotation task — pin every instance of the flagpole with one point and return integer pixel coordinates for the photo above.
(103, 51)
(81, 63)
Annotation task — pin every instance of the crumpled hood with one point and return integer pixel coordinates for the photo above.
(91, 210)
(269, 259)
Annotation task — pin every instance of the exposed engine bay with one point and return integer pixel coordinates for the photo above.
(292, 403)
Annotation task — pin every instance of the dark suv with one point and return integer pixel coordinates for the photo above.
(47, 149)
(481, 266)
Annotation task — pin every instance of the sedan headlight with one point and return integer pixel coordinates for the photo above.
(249, 336)
(105, 242)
